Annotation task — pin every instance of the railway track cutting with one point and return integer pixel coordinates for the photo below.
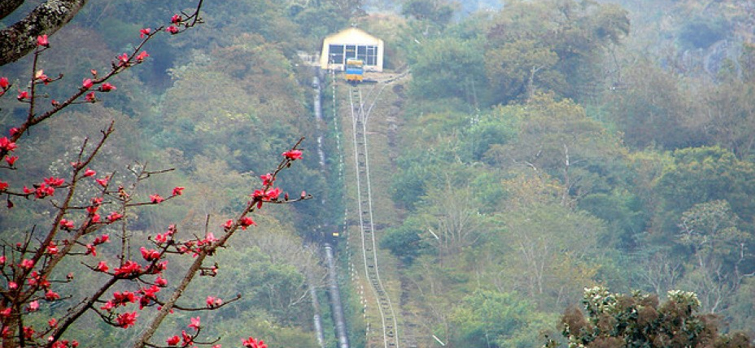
(359, 117)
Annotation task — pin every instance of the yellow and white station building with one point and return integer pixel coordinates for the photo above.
(352, 43)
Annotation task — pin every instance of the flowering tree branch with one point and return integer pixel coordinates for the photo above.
(28, 267)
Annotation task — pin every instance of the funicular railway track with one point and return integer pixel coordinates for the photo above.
(359, 117)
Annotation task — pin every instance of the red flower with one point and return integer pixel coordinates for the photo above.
(3, 185)
(107, 87)
(273, 194)
(89, 172)
(267, 179)
(87, 83)
(140, 57)
(228, 224)
(26, 264)
(51, 295)
(126, 319)
(209, 238)
(114, 216)
(6, 144)
(66, 224)
(213, 302)
(123, 298)
(252, 343)
(55, 182)
(43, 191)
(266, 196)
(28, 332)
(194, 323)
(40, 75)
(292, 154)
(173, 341)
(102, 267)
(103, 181)
(22, 95)
(175, 19)
(4, 84)
(11, 160)
(150, 255)
(178, 190)
(161, 238)
(108, 306)
(91, 249)
(13, 131)
(52, 322)
(42, 41)
(123, 59)
(156, 198)
(246, 222)
(159, 267)
(129, 268)
(101, 239)
(172, 29)
(188, 340)
(33, 306)
(149, 295)
(52, 249)
(144, 32)
(90, 97)
(161, 282)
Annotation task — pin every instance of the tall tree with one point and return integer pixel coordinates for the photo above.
(550, 45)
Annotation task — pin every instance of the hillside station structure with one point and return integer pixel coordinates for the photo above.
(352, 43)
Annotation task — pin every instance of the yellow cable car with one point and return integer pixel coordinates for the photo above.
(354, 70)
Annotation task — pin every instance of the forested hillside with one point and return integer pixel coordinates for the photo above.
(558, 145)
(539, 148)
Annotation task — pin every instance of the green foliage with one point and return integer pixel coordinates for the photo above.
(556, 136)
(406, 241)
(622, 212)
(491, 319)
(553, 46)
(449, 67)
(703, 32)
(653, 111)
(316, 22)
(727, 113)
(550, 251)
(437, 12)
(705, 174)
(517, 69)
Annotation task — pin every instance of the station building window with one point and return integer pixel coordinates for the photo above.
(336, 54)
(340, 53)
(370, 55)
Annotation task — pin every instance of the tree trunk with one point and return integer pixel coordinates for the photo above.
(19, 39)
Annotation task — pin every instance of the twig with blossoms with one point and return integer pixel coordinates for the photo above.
(241, 222)
(27, 266)
(120, 64)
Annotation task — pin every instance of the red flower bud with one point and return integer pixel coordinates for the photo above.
(42, 41)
